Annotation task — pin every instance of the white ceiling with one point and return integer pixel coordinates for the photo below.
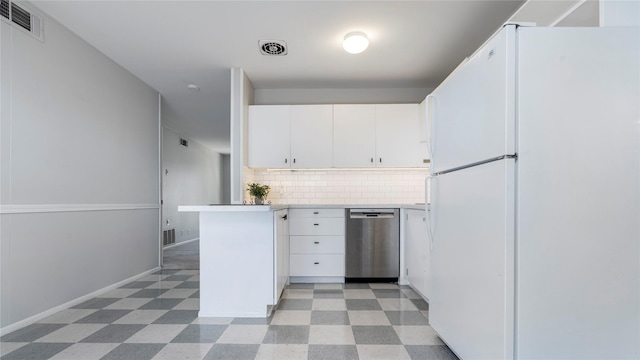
(170, 44)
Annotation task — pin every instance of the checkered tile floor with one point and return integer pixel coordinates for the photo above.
(156, 318)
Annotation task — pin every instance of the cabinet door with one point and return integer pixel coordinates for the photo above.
(311, 136)
(269, 136)
(416, 249)
(354, 135)
(397, 135)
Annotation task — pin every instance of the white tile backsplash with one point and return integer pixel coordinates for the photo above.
(400, 186)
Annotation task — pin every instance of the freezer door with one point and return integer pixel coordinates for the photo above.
(471, 276)
(472, 111)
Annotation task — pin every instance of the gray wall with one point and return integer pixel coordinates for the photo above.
(191, 176)
(339, 96)
(79, 184)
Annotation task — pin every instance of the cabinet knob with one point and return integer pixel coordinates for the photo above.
(285, 161)
(380, 159)
(372, 160)
(294, 160)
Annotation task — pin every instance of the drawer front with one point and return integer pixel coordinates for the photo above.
(317, 244)
(319, 226)
(316, 213)
(317, 265)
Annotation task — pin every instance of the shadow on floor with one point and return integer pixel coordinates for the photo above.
(183, 257)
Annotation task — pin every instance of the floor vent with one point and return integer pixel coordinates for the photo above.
(25, 19)
(168, 237)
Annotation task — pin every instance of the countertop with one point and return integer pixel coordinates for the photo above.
(241, 207)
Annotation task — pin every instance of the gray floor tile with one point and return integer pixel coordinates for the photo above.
(252, 321)
(95, 303)
(328, 294)
(31, 333)
(177, 278)
(420, 304)
(375, 335)
(406, 318)
(167, 271)
(161, 304)
(357, 286)
(134, 352)
(233, 351)
(430, 352)
(329, 318)
(103, 317)
(195, 295)
(363, 304)
(200, 334)
(389, 293)
(333, 352)
(189, 285)
(177, 317)
(295, 304)
(287, 334)
(36, 351)
(148, 293)
(114, 333)
(301, 286)
(137, 284)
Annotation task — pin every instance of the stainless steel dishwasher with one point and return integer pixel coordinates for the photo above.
(372, 245)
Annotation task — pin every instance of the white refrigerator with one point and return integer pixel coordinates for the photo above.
(534, 197)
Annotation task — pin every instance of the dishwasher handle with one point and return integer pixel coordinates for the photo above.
(372, 214)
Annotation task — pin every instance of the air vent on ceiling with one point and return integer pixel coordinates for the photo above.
(25, 19)
(273, 47)
(184, 142)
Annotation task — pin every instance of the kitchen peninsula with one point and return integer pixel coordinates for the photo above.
(242, 259)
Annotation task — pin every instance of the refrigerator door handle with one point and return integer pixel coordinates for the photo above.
(429, 124)
(428, 207)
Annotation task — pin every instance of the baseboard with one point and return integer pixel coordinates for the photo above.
(316, 279)
(35, 318)
(180, 243)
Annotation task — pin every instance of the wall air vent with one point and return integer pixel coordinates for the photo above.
(25, 19)
(273, 47)
(184, 142)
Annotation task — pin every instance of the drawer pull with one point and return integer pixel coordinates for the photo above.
(315, 213)
(316, 263)
(316, 242)
(316, 224)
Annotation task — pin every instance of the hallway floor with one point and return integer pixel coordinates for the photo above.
(155, 318)
(182, 256)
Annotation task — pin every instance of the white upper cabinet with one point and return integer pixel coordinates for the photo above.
(311, 136)
(354, 135)
(269, 136)
(397, 135)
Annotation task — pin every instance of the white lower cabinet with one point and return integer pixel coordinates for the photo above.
(416, 250)
(317, 243)
(281, 261)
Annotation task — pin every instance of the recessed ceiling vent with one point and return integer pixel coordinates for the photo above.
(25, 19)
(184, 142)
(273, 47)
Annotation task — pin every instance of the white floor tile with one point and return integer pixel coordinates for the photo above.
(291, 317)
(243, 334)
(359, 294)
(7, 347)
(128, 304)
(368, 318)
(84, 351)
(331, 334)
(183, 352)
(282, 352)
(178, 293)
(212, 321)
(397, 305)
(164, 285)
(328, 286)
(72, 333)
(188, 304)
(417, 335)
(68, 316)
(383, 352)
(297, 294)
(118, 293)
(383, 286)
(329, 304)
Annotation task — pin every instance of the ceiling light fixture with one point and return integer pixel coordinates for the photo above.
(355, 42)
(193, 87)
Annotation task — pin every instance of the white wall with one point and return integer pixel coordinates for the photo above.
(79, 178)
(190, 176)
(362, 186)
(339, 96)
(242, 94)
